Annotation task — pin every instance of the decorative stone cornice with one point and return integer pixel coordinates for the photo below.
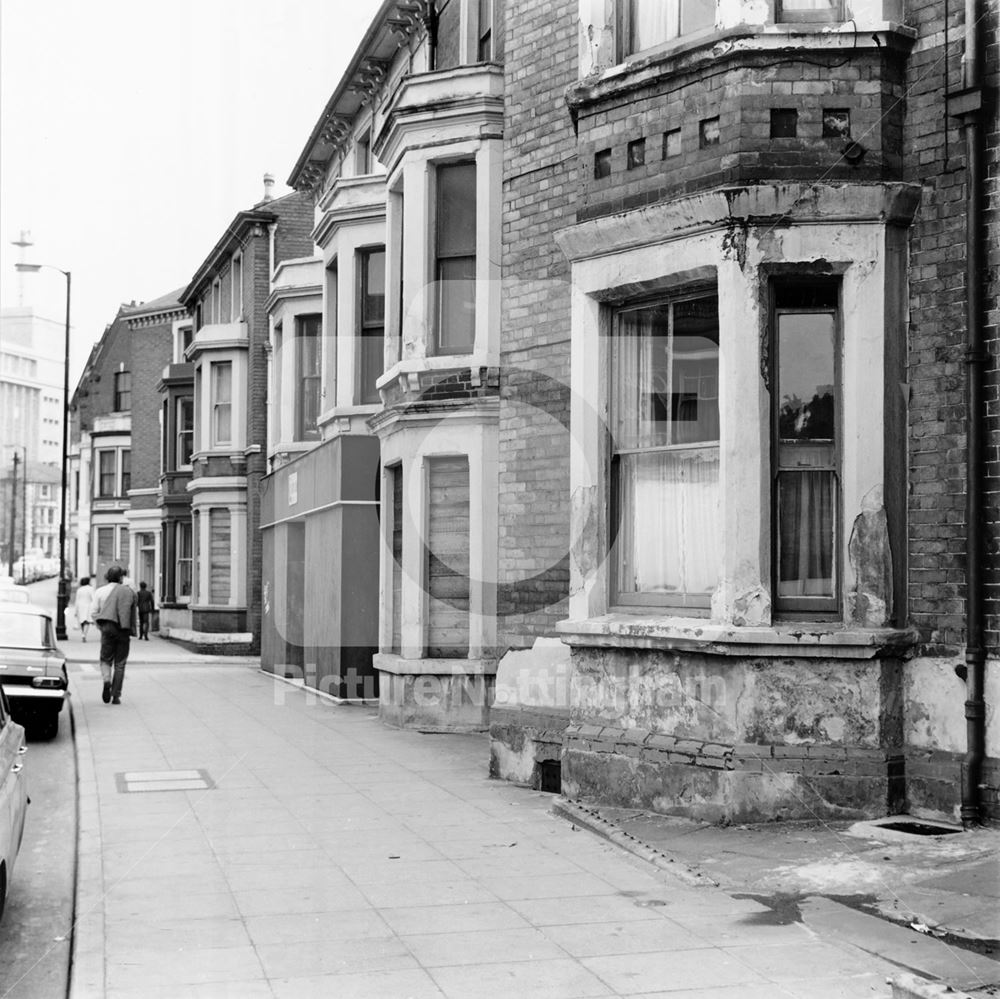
(410, 18)
(369, 76)
(158, 318)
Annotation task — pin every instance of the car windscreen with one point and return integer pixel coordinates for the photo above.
(24, 631)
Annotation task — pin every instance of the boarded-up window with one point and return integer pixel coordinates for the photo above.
(220, 556)
(448, 558)
(397, 557)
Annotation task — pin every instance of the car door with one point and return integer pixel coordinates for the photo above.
(13, 787)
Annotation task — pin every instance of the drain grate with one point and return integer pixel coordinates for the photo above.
(918, 828)
(132, 781)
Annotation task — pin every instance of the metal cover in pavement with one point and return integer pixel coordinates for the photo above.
(132, 781)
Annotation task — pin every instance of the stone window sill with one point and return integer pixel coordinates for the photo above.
(795, 639)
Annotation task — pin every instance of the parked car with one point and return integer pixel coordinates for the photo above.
(13, 796)
(10, 592)
(32, 669)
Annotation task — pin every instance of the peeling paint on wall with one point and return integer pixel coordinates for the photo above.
(584, 532)
(869, 603)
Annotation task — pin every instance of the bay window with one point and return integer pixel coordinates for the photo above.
(455, 257)
(665, 458)
(805, 445)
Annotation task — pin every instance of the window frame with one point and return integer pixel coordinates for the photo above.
(485, 38)
(236, 287)
(123, 392)
(181, 560)
(833, 14)
(369, 328)
(220, 405)
(363, 156)
(180, 433)
(624, 16)
(806, 607)
(308, 326)
(102, 473)
(438, 258)
(689, 605)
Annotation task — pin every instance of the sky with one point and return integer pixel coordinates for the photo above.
(132, 133)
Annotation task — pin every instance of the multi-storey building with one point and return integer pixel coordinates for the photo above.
(688, 317)
(31, 384)
(153, 334)
(31, 418)
(227, 300)
(101, 453)
(774, 606)
(405, 163)
(176, 398)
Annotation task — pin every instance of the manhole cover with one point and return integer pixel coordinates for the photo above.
(132, 781)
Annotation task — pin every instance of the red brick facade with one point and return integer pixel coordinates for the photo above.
(540, 196)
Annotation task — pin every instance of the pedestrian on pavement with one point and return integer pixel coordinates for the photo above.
(146, 607)
(115, 614)
(84, 604)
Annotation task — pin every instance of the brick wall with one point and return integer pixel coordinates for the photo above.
(539, 197)
(151, 351)
(296, 217)
(97, 387)
(739, 92)
(934, 157)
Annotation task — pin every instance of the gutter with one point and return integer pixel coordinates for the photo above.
(967, 105)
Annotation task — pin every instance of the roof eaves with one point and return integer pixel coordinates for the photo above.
(365, 70)
(230, 239)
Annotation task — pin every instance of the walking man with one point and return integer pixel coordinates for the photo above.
(115, 615)
(145, 611)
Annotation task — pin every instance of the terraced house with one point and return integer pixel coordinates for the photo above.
(669, 330)
(392, 509)
(227, 302)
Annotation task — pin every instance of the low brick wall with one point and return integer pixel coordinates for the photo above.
(713, 781)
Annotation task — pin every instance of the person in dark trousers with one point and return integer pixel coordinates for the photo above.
(115, 614)
(145, 611)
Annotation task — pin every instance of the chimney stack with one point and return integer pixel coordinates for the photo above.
(268, 188)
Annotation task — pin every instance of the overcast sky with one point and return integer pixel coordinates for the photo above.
(131, 134)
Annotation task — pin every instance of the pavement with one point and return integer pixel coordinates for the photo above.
(241, 836)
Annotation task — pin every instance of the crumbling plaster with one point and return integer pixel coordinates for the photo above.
(747, 700)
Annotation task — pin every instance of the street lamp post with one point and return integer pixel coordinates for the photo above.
(62, 597)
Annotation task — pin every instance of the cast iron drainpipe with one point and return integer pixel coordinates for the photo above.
(967, 105)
